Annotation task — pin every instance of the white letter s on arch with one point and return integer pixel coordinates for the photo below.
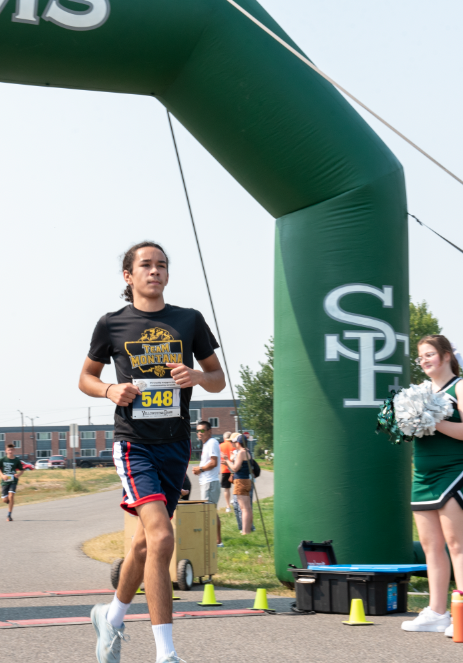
(97, 13)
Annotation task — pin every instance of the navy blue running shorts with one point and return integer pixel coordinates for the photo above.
(151, 472)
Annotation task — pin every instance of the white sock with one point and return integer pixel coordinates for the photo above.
(164, 643)
(116, 612)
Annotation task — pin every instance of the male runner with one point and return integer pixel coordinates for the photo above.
(152, 344)
(11, 469)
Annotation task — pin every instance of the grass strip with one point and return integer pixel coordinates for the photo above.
(46, 485)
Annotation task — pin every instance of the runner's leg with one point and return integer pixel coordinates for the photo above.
(130, 579)
(226, 492)
(159, 548)
(11, 502)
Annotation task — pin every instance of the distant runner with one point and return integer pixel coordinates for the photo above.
(11, 469)
(152, 345)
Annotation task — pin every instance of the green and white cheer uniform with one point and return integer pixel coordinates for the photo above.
(438, 459)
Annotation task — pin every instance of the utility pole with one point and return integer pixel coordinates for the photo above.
(23, 451)
(33, 436)
(74, 443)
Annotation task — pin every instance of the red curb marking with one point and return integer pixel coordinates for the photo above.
(67, 621)
(37, 595)
(83, 592)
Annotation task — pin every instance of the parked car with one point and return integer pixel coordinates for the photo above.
(27, 466)
(57, 463)
(104, 458)
(42, 464)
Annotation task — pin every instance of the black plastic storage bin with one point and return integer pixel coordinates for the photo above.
(332, 592)
(330, 587)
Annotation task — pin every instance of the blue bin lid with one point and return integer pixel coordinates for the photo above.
(371, 568)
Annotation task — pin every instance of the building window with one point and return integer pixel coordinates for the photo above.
(87, 435)
(2, 437)
(214, 421)
(43, 453)
(62, 436)
(43, 437)
(63, 452)
(88, 452)
(195, 416)
(17, 444)
(109, 435)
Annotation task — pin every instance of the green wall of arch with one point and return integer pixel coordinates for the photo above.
(338, 195)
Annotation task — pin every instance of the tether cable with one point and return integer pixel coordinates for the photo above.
(436, 233)
(215, 318)
(343, 90)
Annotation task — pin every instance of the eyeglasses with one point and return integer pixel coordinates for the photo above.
(428, 355)
(201, 430)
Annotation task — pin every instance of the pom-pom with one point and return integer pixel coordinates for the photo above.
(413, 412)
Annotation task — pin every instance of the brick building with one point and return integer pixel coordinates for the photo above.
(45, 441)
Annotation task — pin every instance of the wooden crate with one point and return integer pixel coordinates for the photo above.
(195, 531)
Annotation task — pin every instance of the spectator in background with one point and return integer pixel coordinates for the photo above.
(227, 449)
(208, 469)
(242, 483)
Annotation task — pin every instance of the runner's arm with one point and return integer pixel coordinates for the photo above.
(451, 428)
(211, 378)
(19, 474)
(91, 384)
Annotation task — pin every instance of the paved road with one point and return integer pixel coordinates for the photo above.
(43, 543)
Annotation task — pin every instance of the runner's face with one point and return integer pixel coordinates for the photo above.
(431, 363)
(149, 274)
(10, 452)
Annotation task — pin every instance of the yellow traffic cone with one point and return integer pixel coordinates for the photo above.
(357, 614)
(261, 602)
(209, 596)
(174, 598)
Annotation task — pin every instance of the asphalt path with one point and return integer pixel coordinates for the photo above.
(43, 543)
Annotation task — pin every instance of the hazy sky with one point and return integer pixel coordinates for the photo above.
(84, 175)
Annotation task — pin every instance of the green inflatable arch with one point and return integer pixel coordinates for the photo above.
(341, 264)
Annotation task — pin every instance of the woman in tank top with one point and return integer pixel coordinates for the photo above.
(437, 491)
(242, 483)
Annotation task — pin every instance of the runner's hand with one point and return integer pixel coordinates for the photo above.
(184, 376)
(123, 394)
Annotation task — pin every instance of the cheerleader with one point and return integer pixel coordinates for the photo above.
(437, 490)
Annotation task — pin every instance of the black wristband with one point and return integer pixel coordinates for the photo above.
(106, 394)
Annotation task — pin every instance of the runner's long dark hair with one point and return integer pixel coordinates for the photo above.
(442, 345)
(127, 264)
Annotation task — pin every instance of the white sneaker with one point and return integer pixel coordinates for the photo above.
(220, 545)
(428, 620)
(172, 658)
(227, 510)
(449, 631)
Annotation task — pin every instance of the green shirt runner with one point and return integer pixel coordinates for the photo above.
(8, 467)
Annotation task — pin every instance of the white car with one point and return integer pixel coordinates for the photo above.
(42, 464)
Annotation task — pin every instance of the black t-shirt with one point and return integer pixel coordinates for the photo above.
(141, 344)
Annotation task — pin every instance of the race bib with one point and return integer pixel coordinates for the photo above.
(9, 477)
(160, 399)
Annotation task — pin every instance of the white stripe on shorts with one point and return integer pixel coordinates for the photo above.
(118, 462)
